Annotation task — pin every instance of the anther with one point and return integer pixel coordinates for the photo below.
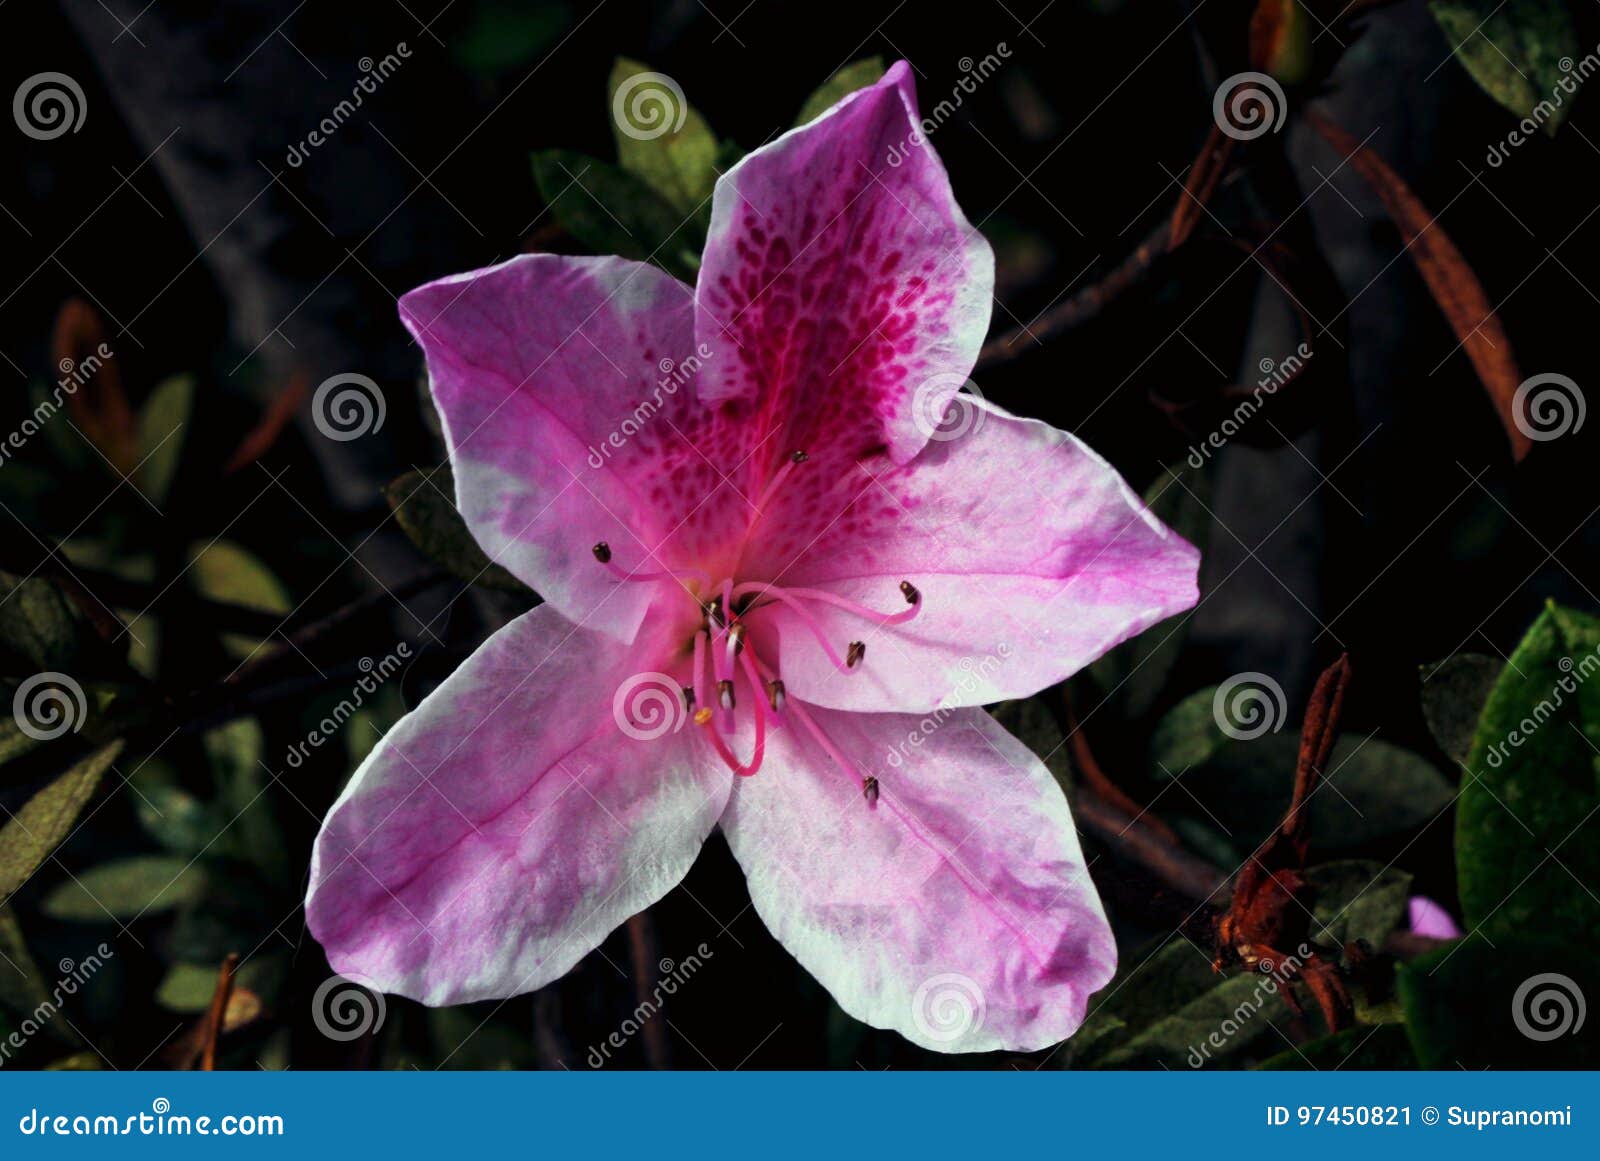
(688, 699)
(776, 695)
(853, 655)
(798, 457)
(869, 791)
(714, 612)
(736, 638)
(602, 552)
(909, 591)
(702, 716)
(725, 694)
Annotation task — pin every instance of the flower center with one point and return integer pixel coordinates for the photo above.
(722, 649)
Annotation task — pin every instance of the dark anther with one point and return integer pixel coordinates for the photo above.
(602, 552)
(869, 791)
(909, 591)
(853, 656)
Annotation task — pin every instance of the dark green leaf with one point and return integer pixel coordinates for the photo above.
(1382, 1047)
(163, 424)
(1473, 1005)
(1187, 736)
(46, 819)
(125, 889)
(425, 506)
(613, 212)
(856, 75)
(1357, 900)
(503, 34)
(40, 628)
(1527, 826)
(1453, 695)
(1514, 49)
(661, 139)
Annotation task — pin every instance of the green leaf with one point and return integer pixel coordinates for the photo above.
(40, 628)
(226, 572)
(251, 824)
(1357, 899)
(22, 988)
(1527, 826)
(1187, 736)
(1473, 1004)
(1137, 671)
(1382, 1047)
(857, 75)
(162, 423)
(1453, 695)
(425, 507)
(125, 889)
(611, 211)
(1514, 50)
(46, 819)
(661, 139)
(1373, 789)
(500, 35)
(188, 987)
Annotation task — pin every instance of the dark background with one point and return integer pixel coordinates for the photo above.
(1389, 520)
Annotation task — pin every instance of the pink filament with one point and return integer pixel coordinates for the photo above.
(759, 753)
(805, 616)
(836, 601)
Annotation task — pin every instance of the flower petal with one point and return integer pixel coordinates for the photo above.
(502, 829)
(1031, 555)
(842, 290)
(566, 390)
(1430, 919)
(957, 910)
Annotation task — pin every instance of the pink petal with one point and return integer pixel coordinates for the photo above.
(1430, 919)
(561, 385)
(502, 829)
(1031, 554)
(842, 290)
(957, 911)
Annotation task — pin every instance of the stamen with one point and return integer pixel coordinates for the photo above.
(782, 474)
(858, 650)
(743, 769)
(805, 616)
(701, 677)
(725, 694)
(869, 790)
(910, 592)
(688, 699)
(602, 553)
(776, 694)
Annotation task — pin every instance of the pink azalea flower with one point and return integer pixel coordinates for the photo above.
(793, 648)
(1430, 919)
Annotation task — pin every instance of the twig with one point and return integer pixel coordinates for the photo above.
(1175, 866)
(217, 1014)
(642, 948)
(1100, 782)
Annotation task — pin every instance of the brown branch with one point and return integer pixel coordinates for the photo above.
(1175, 866)
(642, 948)
(217, 1014)
(1100, 782)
